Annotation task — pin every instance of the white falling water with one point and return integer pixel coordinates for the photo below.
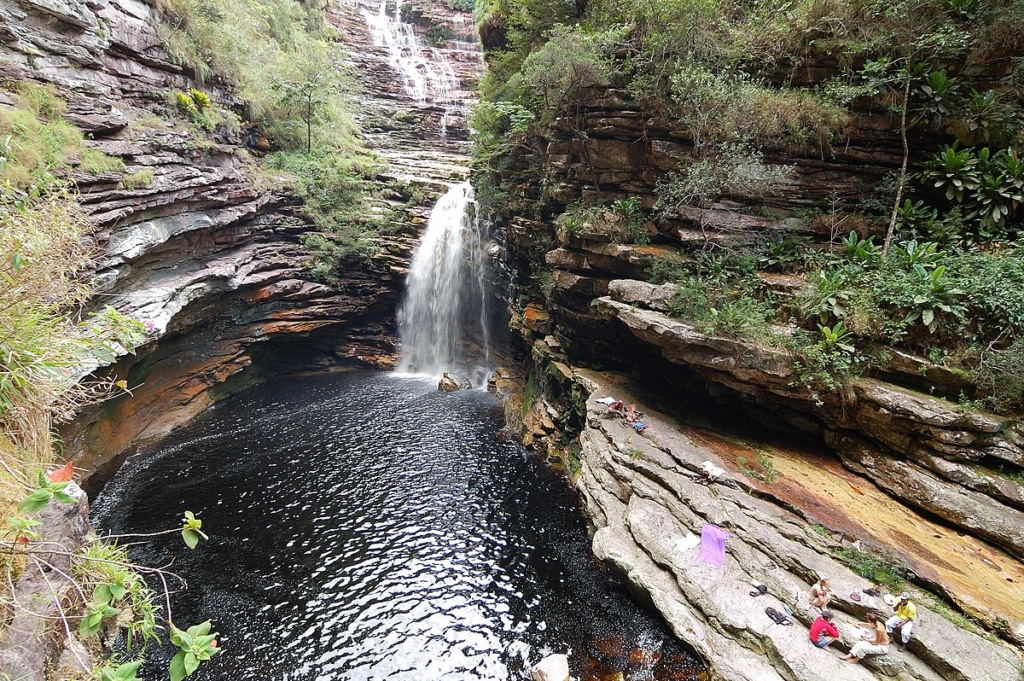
(427, 76)
(446, 294)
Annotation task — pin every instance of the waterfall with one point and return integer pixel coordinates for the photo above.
(446, 295)
(426, 74)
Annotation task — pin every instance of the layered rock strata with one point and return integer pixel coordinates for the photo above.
(900, 429)
(645, 492)
(206, 255)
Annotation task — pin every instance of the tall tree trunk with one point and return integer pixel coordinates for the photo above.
(903, 168)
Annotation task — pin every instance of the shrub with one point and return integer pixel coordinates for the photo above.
(138, 180)
(438, 35)
(569, 61)
(722, 108)
(668, 269)
(256, 46)
(999, 375)
(332, 185)
(987, 186)
(96, 162)
(42, 342)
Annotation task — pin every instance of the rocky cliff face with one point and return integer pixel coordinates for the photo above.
(647, 493)
(202, 252)
(932, 459)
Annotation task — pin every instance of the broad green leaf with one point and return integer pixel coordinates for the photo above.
(191, 538)
(176, 635)
(127, 671)
(191, 663)
(34, 502)
(117, 591)
(928, 316)
(200, 629)
(101, 593)
(177, 669)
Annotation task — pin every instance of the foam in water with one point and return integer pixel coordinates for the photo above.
(446, 293)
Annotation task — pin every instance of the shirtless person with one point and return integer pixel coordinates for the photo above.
(821, 594)
(874, 643)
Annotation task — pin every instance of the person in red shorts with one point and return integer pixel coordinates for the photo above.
(823, 632)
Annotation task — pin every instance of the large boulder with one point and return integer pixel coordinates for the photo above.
(450, 383)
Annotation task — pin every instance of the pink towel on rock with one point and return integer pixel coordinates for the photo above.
(712, 544)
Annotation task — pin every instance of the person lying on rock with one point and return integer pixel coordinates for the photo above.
(614, 406)
(821, 594)
(823, 632)
(904, 619)
(873, 642)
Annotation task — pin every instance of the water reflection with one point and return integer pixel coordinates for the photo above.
(365, 526)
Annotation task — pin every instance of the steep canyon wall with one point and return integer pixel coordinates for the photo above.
(207, 252)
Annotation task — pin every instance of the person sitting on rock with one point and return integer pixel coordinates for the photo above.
(823, 632)
(873, 642)
(821, 594)
(904, 619)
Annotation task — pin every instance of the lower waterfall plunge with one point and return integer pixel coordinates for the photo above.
(446, 296)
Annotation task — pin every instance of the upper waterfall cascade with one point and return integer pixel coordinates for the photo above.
(446, 297)
(427, 74)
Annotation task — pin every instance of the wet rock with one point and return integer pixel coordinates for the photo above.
(551, 668)
(450, 383)
(503, 382)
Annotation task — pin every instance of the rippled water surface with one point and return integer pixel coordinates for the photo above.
(365, 526)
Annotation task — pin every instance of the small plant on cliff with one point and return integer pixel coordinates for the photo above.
(438, 35)
(307, 99)
(138, 180)
(764, 470)
(38, 147)
(879, 567)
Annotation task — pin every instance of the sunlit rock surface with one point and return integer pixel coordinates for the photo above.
(646, 491)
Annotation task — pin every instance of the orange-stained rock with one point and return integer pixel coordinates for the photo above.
(536, 319)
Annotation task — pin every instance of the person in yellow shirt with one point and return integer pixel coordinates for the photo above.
(904, 619)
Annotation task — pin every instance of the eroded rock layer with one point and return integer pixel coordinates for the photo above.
(646, 492)
(203, 252)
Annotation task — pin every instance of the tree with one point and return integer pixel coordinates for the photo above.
(309, 98)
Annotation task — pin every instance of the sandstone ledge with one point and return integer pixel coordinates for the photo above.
(643, 492)
(922, 449)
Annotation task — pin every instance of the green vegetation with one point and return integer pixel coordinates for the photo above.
(438, 35)
(880, 568)
(930, 259)
(280, 58)
(138, 180)
(763, 469)
(37, 146)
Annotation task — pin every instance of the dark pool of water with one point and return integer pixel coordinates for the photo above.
(364, 526)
